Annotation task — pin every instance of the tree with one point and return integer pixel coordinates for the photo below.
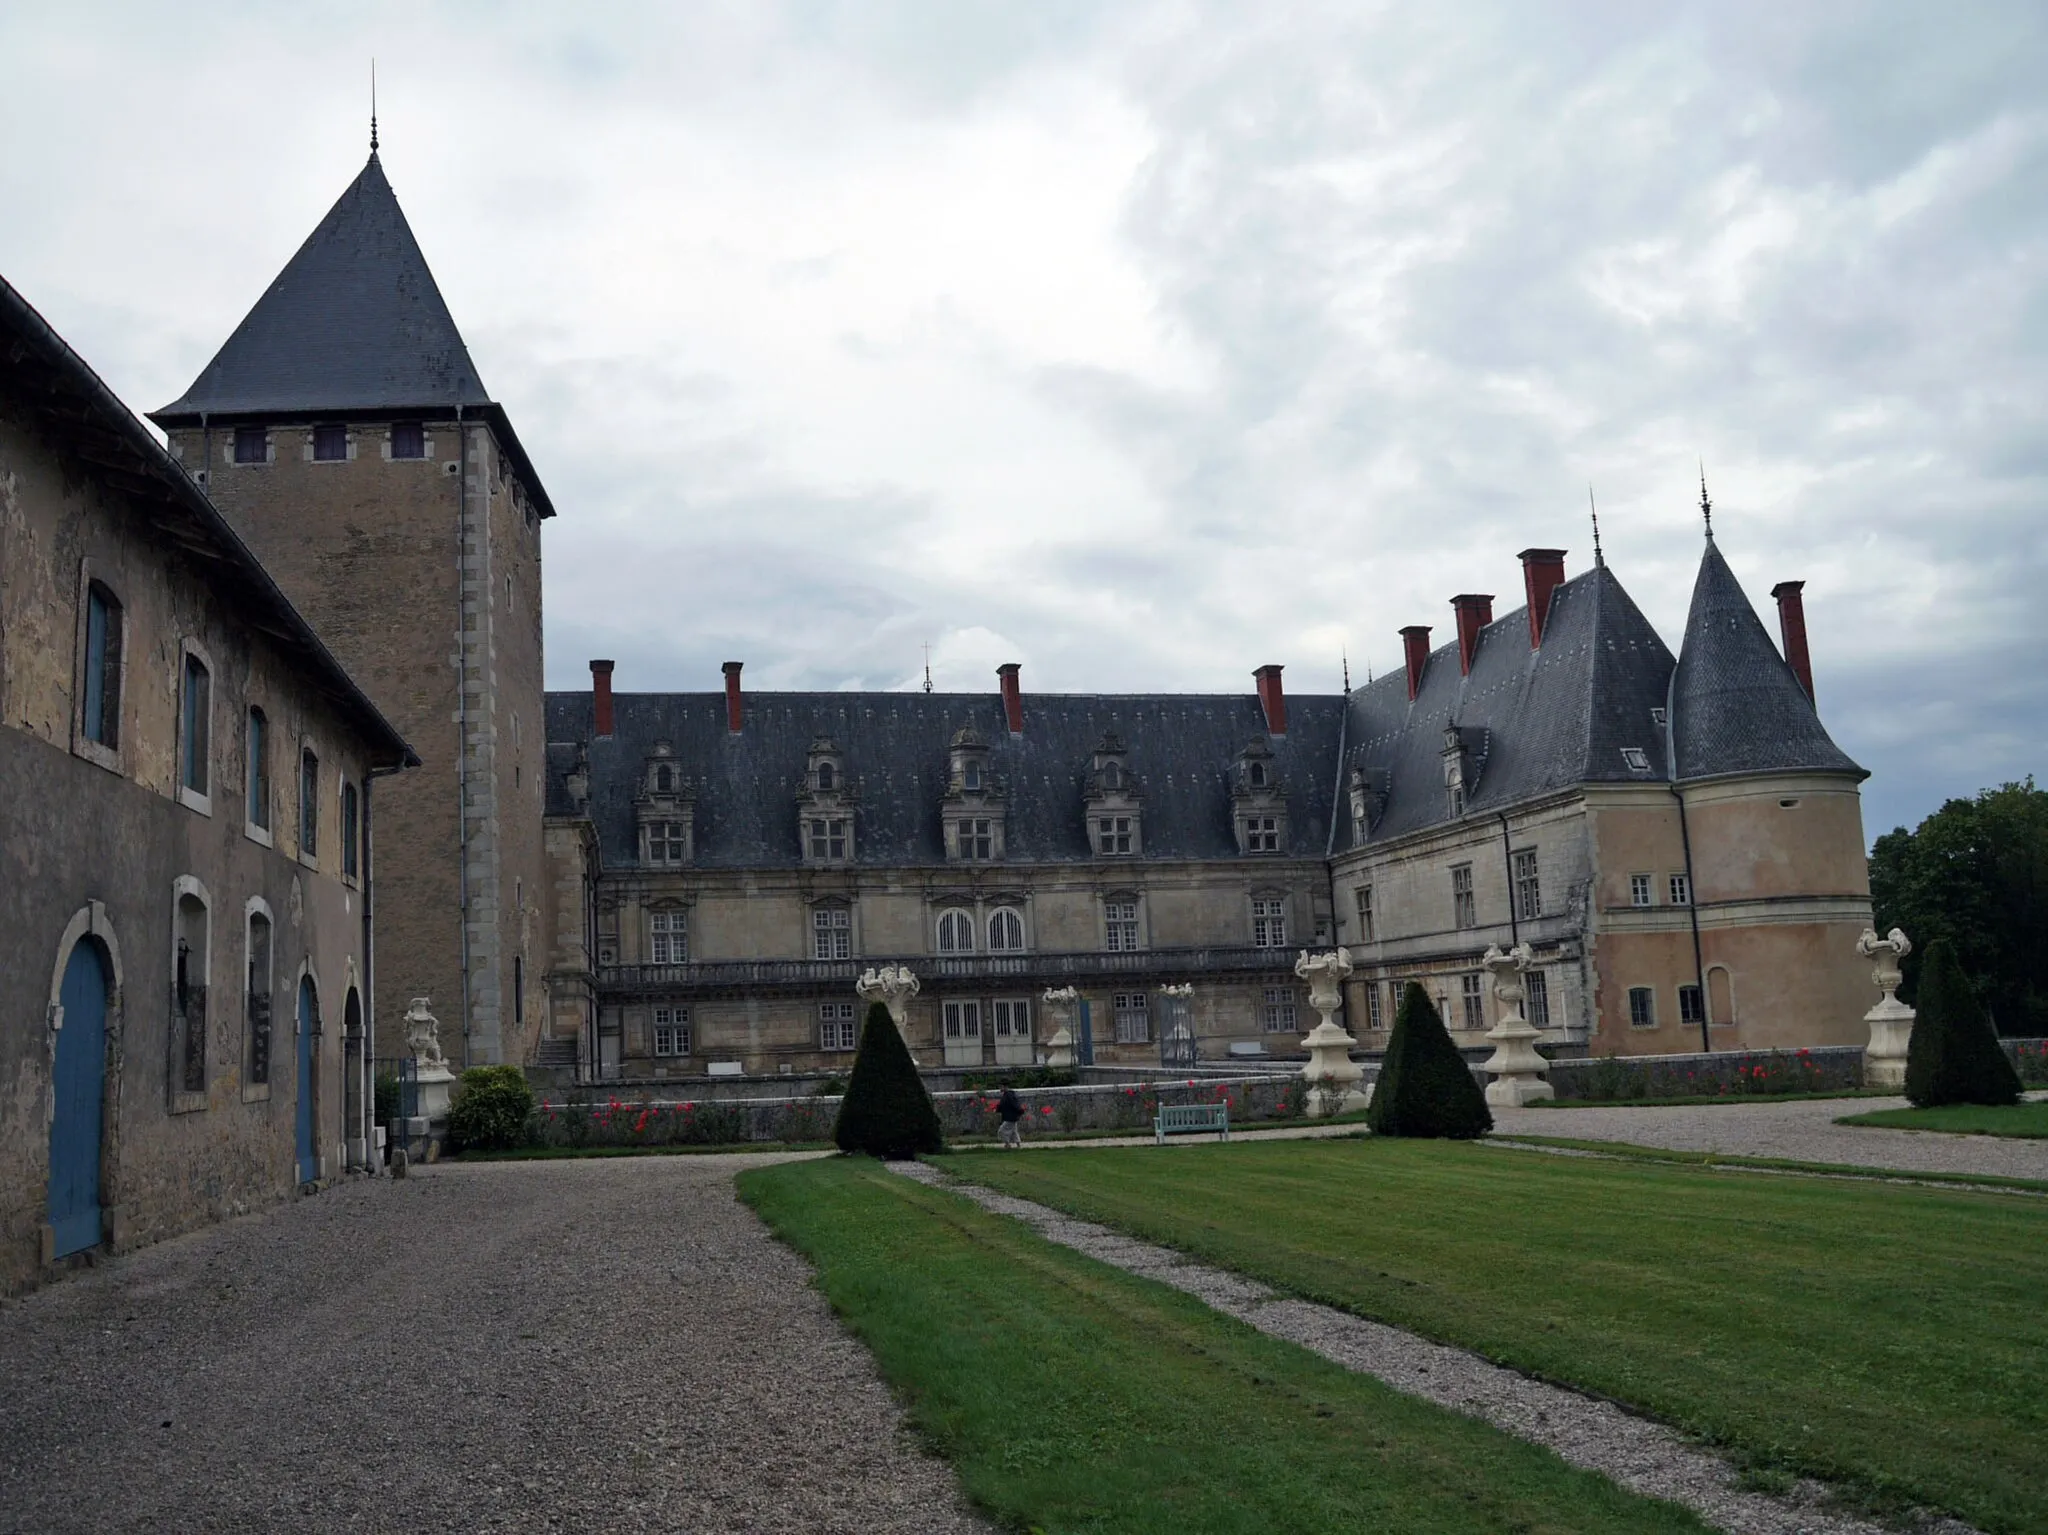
(1975, 873)
(1955, 1057)
(886, 1111)
(1425, 1088)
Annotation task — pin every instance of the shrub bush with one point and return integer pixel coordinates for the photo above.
(886, 1111)
(1954, 1056)
(490, 1108)
(1425, 1088)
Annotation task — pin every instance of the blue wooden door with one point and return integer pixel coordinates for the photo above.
(309, 1164)
(81, 1080)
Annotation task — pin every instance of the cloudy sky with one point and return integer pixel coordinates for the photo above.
(1146, 343)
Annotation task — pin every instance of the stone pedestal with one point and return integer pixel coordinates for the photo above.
(1517, 1070)
(1891, 1021)
(1059, 1007)
(1332, 1075)
(436, 1086)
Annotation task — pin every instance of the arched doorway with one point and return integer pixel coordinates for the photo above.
(79, 1080)
(353, 1128)
(309, 1025)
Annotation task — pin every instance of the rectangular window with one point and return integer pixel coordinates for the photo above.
(197, 729)
(977, 839)
(667, 842)
(1011, 1017)
(1277, 1010)
(330, 444)
(1133, 1018)
(1689, 1009)
(1681, 890)
(1539, 999)
(831, 932)
(671, 1031)
(1262, 834)
(252, 445)
(1374, 1018)
(518, 990)
(1639, 890)
(1269, 922)
(1464, 906)
(100, 719)
(309, 804)
(1472, 1000)
(962, 1019)
(828, 839)
(1365, 925)
(259, 770)
(1120, 926)
(408, 439)
(836, 1029)
(668, 938)
(1113, 834)
(1642, 1008)
(1528, 886)
(351, 858)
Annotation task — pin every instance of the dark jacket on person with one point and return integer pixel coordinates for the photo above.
(1010, 1107)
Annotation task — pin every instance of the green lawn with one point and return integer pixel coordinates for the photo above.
(1892, 1340)
(2029, 1121)
(1072, 1397)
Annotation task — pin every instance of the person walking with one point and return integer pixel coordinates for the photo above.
(1010, 1109)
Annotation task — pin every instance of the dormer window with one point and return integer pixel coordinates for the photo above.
(666, 809)
(1457, 771)
(1255, 775)
(974, 808)
(825, 806)
(1116, 835)
(1112, 802)
(827, 777)
(828, 839)
(970, 777)
(1258, 800)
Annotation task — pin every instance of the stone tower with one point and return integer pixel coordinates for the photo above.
(345, 432)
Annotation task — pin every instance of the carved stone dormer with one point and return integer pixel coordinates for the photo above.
(666, 811)
(1112, 801)
(1464, 757)
(1258, 800)
(825, 802)
(1368, 790)
(973, 810)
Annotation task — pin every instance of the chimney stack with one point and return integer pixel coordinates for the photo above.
(1792, 625)
(733, 711)
(601, 697)
(1272, 699)
(1415, 641)
(1542, 574)
(1475, 612)
(1013, 697)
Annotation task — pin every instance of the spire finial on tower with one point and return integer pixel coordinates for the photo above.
(1599, 559)
(927, 667)
(1706, 506)
(1345, 652)
(373, 106)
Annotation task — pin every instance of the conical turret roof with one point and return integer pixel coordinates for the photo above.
(1736, 706)
(353, 322)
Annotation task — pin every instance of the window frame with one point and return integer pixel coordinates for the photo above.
(391, 440)
(1679, 888)
(1279, 1010)
(1122, 934)
(258, 1035)
(195, 727)
(349, 828)
(1361, 899)
(187, 1048)
(1692, 1005)
(1527, 870)
(1464, 898)
(668, 935)
(1472, 1002)
(1262, 834)
(1009, 1018)
(1116, 834)
(828, 837)
(309, 803)
(1374, 1017)
(1015, 916)
(94, 677)
(1642, 1007)
(955, 1016)
(1536, 1001)
(258, 785)
(833, 1018)
(323, 434)
(677, 1026)
(1269, 921)
(1642, 890)
(1131, 1017)
(241, 437)
(665, 841)
(831, 930)
(949, 923)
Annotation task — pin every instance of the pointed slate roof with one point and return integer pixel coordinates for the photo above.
(353, 322)
(1736, 707)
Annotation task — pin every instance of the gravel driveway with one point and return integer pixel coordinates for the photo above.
(603, 1345)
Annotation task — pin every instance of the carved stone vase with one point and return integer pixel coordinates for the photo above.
(1516, 1068)
(430, 1069)
(1891, 1021)
(1059, 1007)
(1332, 1075)
(893, 986)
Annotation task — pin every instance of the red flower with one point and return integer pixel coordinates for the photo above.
(1046, 1110)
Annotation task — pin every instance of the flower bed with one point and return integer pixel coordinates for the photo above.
(1730, 1074)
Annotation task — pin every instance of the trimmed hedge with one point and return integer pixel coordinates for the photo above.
(887, 1112)
(1425, 1089)
(1954, 1057)
(490, 1109)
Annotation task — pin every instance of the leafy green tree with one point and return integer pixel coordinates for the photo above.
(1425, 1089)
(490, 1109)
(886, 1112)
(1954, 1057)
(1975, 873)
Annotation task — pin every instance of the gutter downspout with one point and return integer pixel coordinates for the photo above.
(462, 705)
(1507, 864)
(1330, 844)
(1692, 891)
(369, 1099)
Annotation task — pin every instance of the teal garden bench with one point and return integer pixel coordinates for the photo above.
(1191, 1119)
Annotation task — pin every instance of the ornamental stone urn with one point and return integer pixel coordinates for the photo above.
(1891, 1021)
(893, 986)
(1059, 1049)
(1332, 1075)
(430, 1068)
(1517, 1070)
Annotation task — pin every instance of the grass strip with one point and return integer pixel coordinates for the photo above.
(1886, 1339)
(1070, 1396)
(1626, 1152)
(2023, 1121)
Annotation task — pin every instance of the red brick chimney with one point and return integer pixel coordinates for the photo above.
(601, 697)
(1792, 625)
(734, 713)
(1272, 699)
(1415, 640)
(1013, 697)
(1542, 574)
(1475, 612)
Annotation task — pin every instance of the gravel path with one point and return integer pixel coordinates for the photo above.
(612, 1345)
(1642, 1456)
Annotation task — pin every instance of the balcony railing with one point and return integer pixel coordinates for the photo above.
(754, 976)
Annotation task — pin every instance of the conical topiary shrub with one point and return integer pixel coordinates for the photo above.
(886, 1111)
(1425, 1088)
(1954, 1057)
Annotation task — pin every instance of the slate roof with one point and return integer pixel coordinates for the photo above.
(354, 324)
(1736, 706)
(1182, 750)
(1533, 721)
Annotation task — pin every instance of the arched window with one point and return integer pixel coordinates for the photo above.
(191, 951)
(100, 713)
(1258, 775)
(195, 754)
(309, 803)
(256, 999)
(826, 778)
(259, 769)
(664, 780)
(1005, 930)
(956, 932)
(350, 834)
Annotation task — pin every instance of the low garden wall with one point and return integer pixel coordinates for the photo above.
(1729, 1073)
